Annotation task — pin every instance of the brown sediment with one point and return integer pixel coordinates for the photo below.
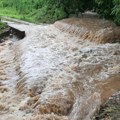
(109, 87)
(52, 75)
(94, 30)
(3, 89)
(48, 117)
(3, 77)
(3, 107)
(58, 104)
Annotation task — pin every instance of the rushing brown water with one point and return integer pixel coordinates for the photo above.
(52, 75)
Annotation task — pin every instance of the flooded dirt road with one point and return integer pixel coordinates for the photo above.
(52, 75)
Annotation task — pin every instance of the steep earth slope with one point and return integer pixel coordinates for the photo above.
(52, 75)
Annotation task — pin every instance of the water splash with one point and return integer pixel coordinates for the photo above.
(56, 75)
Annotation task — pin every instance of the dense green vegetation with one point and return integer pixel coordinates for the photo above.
(109, 9)
(32, 10)
(52, 10)
(2, 25)
(3, 28)
(110, 110)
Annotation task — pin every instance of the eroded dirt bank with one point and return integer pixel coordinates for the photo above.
(51, 75)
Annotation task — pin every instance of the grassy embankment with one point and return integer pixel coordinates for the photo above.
(3, 27)
(47, 11)
(37, 16)
(10, 13)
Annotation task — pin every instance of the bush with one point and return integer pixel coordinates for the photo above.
(104, 8)
(116, 11)
(109, 9)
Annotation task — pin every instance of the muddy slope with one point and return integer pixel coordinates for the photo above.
(53, 75)
(92, 29)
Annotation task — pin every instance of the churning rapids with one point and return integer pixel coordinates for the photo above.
(53, 75)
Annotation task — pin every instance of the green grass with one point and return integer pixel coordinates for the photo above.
(37, 11)
(3, 27)
(10, 13)
(42, 15)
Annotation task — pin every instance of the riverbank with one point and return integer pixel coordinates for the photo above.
(4, 31)
(42, 15)
(2, 26)
(111, 109)
(10, 13)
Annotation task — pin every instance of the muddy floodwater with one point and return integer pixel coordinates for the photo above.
(53, 74)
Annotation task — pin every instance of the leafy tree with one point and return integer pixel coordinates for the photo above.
(104, 8)
(109, 9)
(116, 11)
